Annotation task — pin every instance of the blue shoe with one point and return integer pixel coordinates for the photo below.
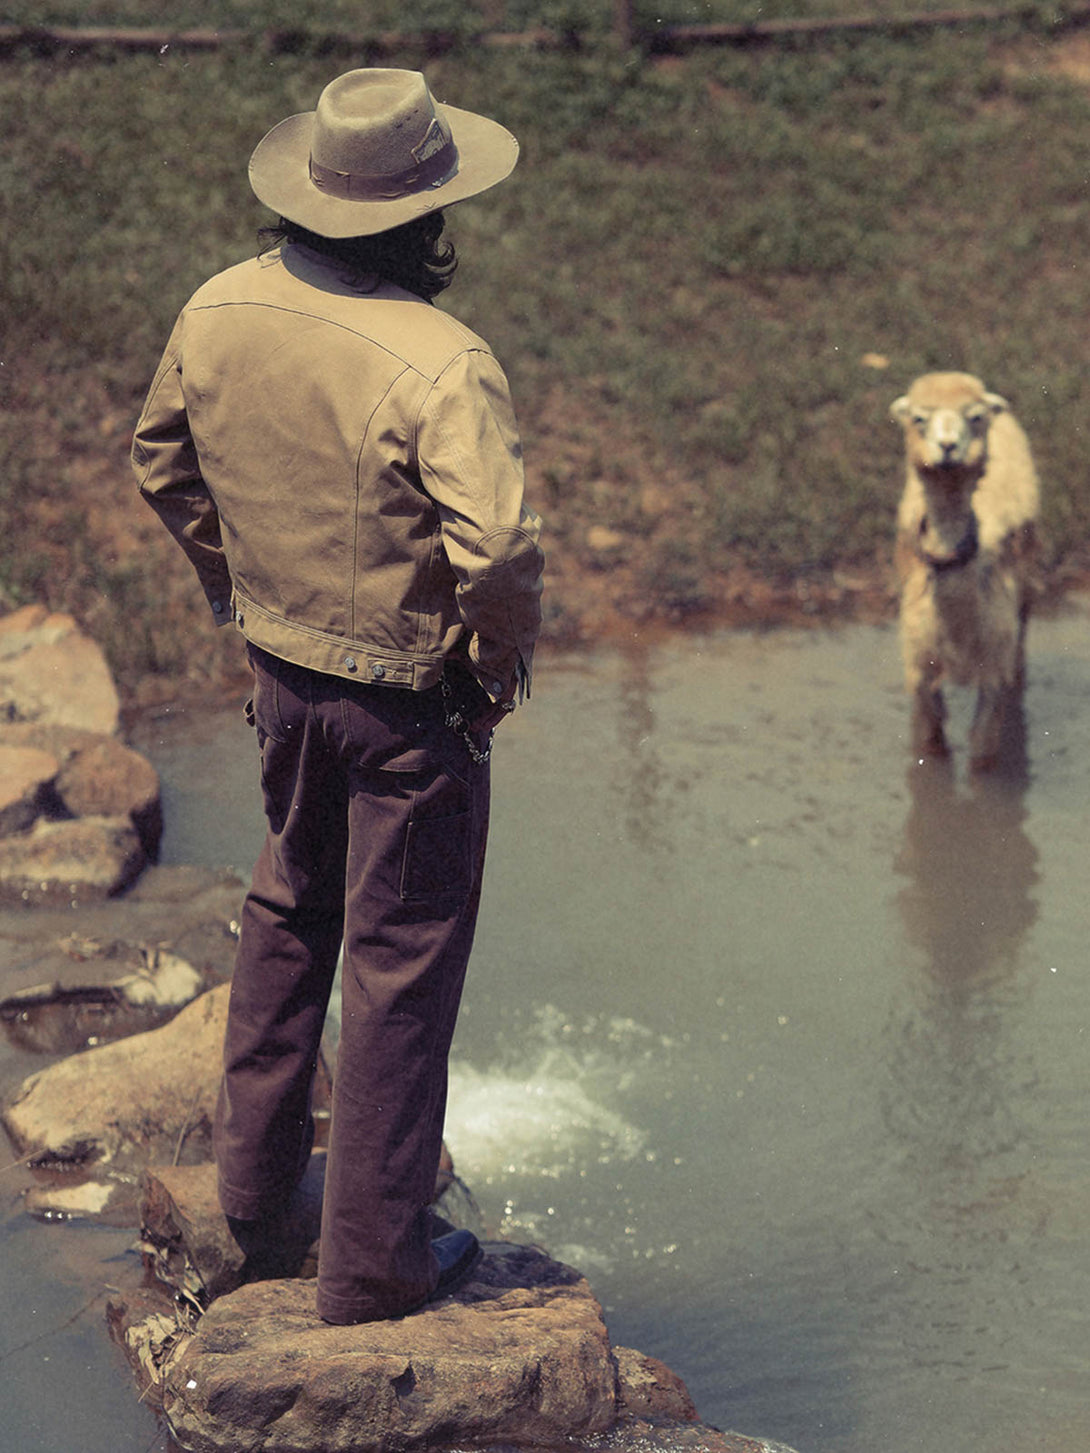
(458, 1252)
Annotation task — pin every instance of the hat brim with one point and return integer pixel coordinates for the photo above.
(280, 177)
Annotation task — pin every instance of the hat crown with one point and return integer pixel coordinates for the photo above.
(375, 123)
(377, 151)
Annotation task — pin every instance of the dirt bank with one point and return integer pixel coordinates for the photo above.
(626, 552)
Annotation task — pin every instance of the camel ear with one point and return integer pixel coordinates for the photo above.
(898, 410)
(997, 403)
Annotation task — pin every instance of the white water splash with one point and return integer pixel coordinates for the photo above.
(540, 1141)
(556, 1112)
(537, 1124)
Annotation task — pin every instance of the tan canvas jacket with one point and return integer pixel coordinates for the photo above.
(344, 471)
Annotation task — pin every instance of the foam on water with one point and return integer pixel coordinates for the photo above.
(537, 1138)
(545, 1113)
(538, 1123)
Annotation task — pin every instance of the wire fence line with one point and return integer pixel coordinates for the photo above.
(625, 30)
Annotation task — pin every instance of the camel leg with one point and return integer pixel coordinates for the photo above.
(985, 732)
(928, 715)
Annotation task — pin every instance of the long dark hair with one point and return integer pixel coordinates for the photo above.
(412, 256)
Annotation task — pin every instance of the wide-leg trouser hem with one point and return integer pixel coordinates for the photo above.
(348, 1311)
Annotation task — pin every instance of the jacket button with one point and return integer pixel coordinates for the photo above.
(350, 663)
(378, 670)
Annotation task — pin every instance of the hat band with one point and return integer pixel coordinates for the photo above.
(436, 161)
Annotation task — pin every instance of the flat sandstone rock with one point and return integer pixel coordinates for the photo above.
(26, 774)
(520, 1354)
(51, 672)
(144, 1095)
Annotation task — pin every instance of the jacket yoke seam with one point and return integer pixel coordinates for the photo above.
(406, 363)
(437, 538)
(356, 580)
(451, 443)
(167, 364)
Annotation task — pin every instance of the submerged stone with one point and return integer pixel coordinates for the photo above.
(75, 1201)
(117, 967)
(144, 977)
(89, 857)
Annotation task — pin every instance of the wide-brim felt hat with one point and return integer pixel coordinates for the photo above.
(377, 151)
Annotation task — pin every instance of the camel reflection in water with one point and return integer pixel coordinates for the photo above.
(957, 1065)
(639, 773)
(959, 1102)
(971, 868)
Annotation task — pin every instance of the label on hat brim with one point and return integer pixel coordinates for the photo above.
(435, 139)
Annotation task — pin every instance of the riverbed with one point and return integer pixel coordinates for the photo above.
(776, 1033)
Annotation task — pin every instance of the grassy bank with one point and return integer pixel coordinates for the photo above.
(707, 280)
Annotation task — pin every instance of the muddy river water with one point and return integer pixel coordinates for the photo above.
(778, 1035)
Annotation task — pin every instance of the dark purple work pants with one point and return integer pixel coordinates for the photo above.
(377, 819)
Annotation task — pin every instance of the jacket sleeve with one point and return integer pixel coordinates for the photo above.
(168, 473)
(470, 462)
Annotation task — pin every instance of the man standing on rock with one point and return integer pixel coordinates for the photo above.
(340, 462)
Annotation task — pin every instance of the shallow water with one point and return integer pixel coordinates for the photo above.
(777, 1035)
